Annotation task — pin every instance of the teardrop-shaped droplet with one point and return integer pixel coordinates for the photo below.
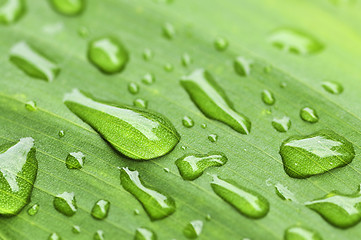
(76, 229)
(204, 126)
(156, 204)
(33, 210)
(31, 106)
(193, 229)
(308, 114)
(137, 133)
(11, 11)
(108, 55)
(284, 193)
(133, 88)
(301, 233)
(168, 31)
(246, 201)
(212, 100)
(65, 203)
(68, 7)
(33, 63)
(75, 160)
(140, 103)
(18, 169)
(340, 210)
(295, 41)
(281, 124)
(267, 97)
(98, 235)
(148, 79)
(144, 233)
(305, 156)
(192, 166)
(168, 67)
(100, 209)
(187, 122)
(213, 138)
(147, 54)
(61, 133)
(221, 44)
(242, 66)
(186, 60)
(54, 236)
(332, 87)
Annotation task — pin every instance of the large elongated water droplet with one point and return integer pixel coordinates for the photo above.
(100, 209)
(192, 166)
(305, 156)
(18, 169)
(340, 210)
(332, 87)
(246, 201)
(11, 11)
(157, 205)
(143, 233)
(301, 233)
(108, 55)
(212, 100)
(33, 63)
(65, 203)
(295, 41)
(137, 133)
(68, 7)
(193, 229)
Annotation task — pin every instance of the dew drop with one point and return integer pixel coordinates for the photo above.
(305, 156)
(284, 193)
(246, 201)
(242, 66)
(267, 97)
(108, 55)
(148, 79)
(133, 88)
(295, 41)
(308, 114)
(100, 209)
(204, 126)
(136, 212)
(99, 235)
(68, 7)
(187, 122)
(140, 103)
(33, 210)
(166, 170)
(31, 106)
(137, 133)
(168, 31)
(283, 84)
(157, 205)
(267, 69)
(76, 229)
(144, 233)
(75, 160)
(148, 54)
(11, 11)
(168, 67)
(210, 98)
(61, 133)
(281, 124)
(83, 32)
(221, 44)
(19, 167)
(186, 60)
(213, 138)
(33, 63)
(332, 87)
(193, 229)
(54, 236)
(301, 233)
(208, 217)
(192, 166)
(65, 203)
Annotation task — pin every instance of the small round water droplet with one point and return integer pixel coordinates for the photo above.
(208, 217)
(204, 126)
(186, 60)
(168, 67)
(281, 124)
(143, 233)
(166, 170)
(193, 229)
(168, 31)
(100, 209)
(148, 79)
(136, 212)
(99, 235)
(133, 88)
(309, 115)
(68, 7)
(83, 32)
(187, 122)
(33, 210)
(267, 69)
(65, 203)
(221, 44)
(332, 87)
(148, 54)
(11, 11)
(31, 106)
(267, 97)
(54, 236)
(301, 233)
(141, 103)
(61, 133)
(76, 229)
(242, 66)
(283, 84)
(75, 160)
(213, 138)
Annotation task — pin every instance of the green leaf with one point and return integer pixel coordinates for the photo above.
(327, 50)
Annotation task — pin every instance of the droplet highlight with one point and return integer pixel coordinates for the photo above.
(31, 106)
(148, 79)
(213, 138)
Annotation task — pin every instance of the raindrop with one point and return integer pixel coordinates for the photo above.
(168, 67)
(193, 229)
(148, 54)
(140, 103)
(31, 106)
(61, 133)
(133, 88)
(301, 233)
(168, 31)
(148, 79)
(68, 7)
(99, 235)
(33, 210)
(65, 203)
(186, 60)
(76, 229)
(54, 236)
(144, 233)
(332, 87)
(11, 11)
(166, 170)
(221, 44)
(242, 66)
(267, 97)
(83, 32)
(281, 124)
(187, 122)
(213, 138)
(284, 193)
(100, 209)
(308, 114)
(75, 160)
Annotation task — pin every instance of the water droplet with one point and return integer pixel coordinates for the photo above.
(212, 100)
(301, 233)
(305, 156)
(192, 166)
(166, 170)
(204, 126)
(83, 32)
(309, 115)
(148, 54)
(137, 133)
(295, 41)
(108, 55)
(11, 11)
(186, 60)
(75, 160)
(193, 229)
(267, 97)
(282, 124)
(19, 167)
(100, 209)
(140, 103)
(33, 210)
(68, 7)
(283, 84)
(136, 212)
(61, 133)
(242, 66)
(31, 106)
(332, 87)
(168, 31)
(143, 233)
(157, 205)
(98, 235)
(33, 63)
(213, 138)
(76, 229)
(208, 217)
(267, 69)
(133, 88)
(284, 193)
(168, 67)
(148, 79)
(183, 147)
(54, 236)
(187, 122)
(340, 210)
(247, 202)
(221, 44)
(65, 203)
